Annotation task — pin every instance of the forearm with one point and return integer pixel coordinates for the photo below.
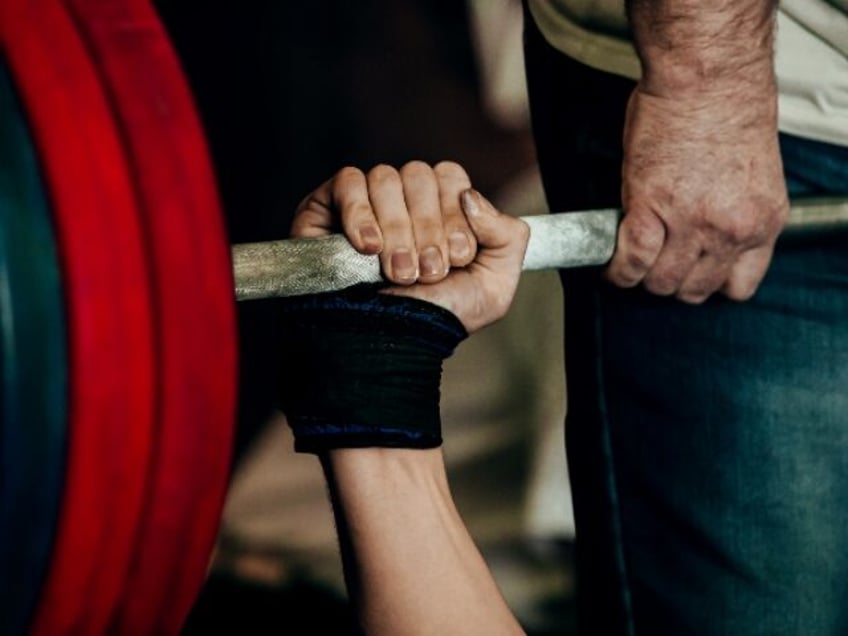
(697, 48)
(410, 565)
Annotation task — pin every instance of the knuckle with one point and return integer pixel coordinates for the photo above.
(642, 236)
(746, 274)
(695, 290)
(661, 283)
(701, 286)
(415, 170)
(383, 173)
(693, 296)
(622, 278)
(741, 292)
(753, 224)
(450, 169)
(637, 260)
(693, 300)
(743, 229)
(349, 173)
(659, 289)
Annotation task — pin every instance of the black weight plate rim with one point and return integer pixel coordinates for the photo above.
(33, 363)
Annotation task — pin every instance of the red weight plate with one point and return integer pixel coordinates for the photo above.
(110, 329)
(196, 325)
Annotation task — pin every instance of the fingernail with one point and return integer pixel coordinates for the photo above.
(469, 204)
(458, 243)
(403, 266)
(472, 202)
(370, 238)
(431, 262)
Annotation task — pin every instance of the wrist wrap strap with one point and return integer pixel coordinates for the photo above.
(365, 369)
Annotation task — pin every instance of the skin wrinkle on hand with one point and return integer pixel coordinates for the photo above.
(689, 45)
(702, 183)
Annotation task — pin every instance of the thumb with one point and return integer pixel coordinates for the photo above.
(502, 238)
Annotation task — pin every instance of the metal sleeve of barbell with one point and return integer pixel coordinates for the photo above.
(290, 267)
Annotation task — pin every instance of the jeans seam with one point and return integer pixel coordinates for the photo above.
(612, 492)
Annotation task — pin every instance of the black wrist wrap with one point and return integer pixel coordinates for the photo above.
(365, 369)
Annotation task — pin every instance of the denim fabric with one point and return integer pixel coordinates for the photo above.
(708, 446)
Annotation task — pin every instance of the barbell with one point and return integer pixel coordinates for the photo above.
(557, 241)
(119, 340)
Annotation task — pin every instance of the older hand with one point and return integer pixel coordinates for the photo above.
(703, 193)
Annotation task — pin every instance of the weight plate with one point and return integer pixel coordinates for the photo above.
(196, 324)
(109, 314)
(34, 370)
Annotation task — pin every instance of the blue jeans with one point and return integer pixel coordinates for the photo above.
(708, 446)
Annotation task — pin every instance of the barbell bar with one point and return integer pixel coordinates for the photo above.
(557, 241)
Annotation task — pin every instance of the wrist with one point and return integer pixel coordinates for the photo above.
(368, 369)
(682, 75)
(373, 463)
(377, 471)
(734, 116)
(689, 48)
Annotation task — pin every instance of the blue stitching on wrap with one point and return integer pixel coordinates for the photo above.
(394, 306)
(322, 430)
